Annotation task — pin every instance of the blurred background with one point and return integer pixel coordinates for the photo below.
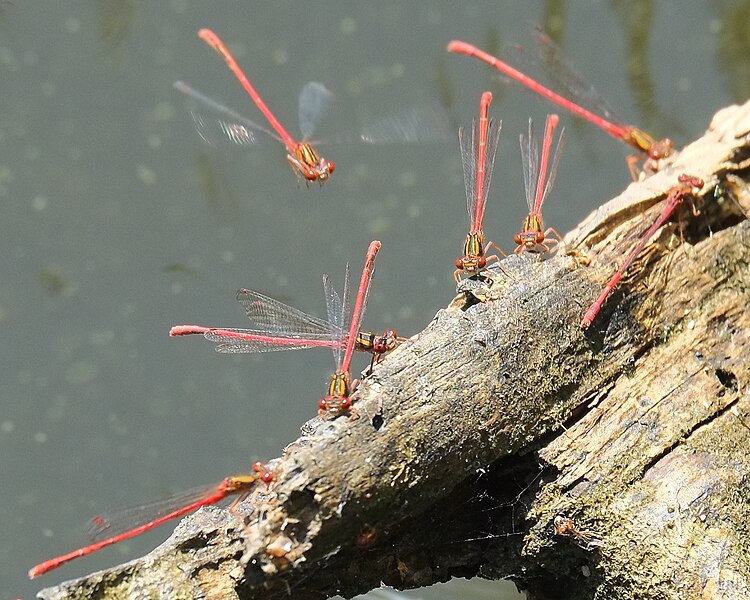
(118, 221)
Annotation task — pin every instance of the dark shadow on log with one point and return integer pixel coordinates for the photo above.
(503, 419)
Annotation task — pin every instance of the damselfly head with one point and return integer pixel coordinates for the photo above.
(386, 342)
(331, 407)
(312, 167)
(530, 241)
(660, 149)
(471, 264)
(639, 139)
(337, 402)
(695, 182)
(321, 172)
(473, 259)
(265, 473)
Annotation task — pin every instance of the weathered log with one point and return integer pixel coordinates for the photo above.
(505, 441)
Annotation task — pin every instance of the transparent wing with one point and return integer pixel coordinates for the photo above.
(346, 300)
(233, 128)
(217, 132)
(333, 304)
(121, 520)
(534, 181)
(336, 309)
(552, 171)
(561, 76)
(530, 163)
(314, 102)
(278, 318)
(415, 126)
(493, 137)
(245, 341)
(363, 309)
(469, 161)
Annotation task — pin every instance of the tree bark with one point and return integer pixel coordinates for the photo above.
(505, 441)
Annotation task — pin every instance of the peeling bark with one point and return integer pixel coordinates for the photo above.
(503, 414)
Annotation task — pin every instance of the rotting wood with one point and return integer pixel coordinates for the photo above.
(502, 415)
